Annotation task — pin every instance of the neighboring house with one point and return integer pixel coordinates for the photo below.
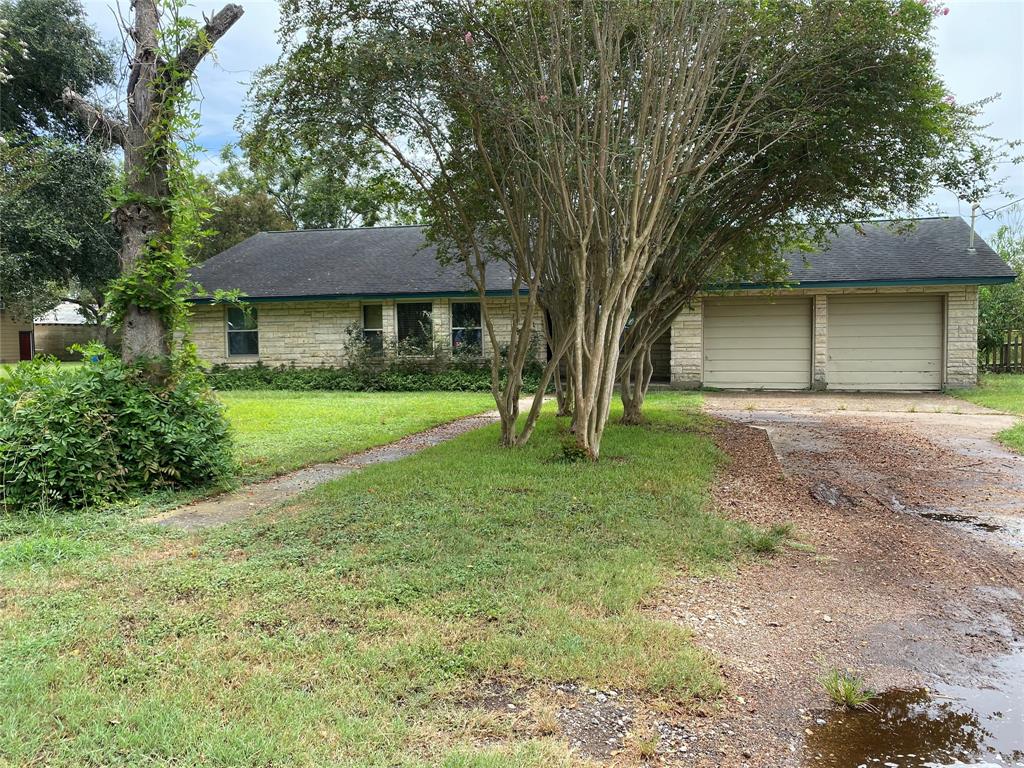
(17, 341)
(876, 310)
(63, 326)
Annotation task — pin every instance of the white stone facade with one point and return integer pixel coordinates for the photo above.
(960, 349)
(316, 333)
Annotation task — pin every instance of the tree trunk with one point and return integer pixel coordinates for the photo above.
(635, 381)
(143, 219)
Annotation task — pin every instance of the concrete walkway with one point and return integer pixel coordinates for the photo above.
(251, 498)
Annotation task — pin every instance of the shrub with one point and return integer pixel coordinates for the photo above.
(74, 436)
(390, 375)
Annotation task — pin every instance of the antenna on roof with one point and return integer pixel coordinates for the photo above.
(974, 215)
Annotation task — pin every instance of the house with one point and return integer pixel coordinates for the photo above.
(875, 310)
(17, 341)
(62, 326)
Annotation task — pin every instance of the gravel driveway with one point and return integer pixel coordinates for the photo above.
(926, 454)
(909, 570)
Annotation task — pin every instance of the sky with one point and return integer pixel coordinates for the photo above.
(979, 50)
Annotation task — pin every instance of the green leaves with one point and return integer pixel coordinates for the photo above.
(77, 436)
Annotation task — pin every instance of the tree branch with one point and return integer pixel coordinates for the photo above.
(188, 58)
(95, 119)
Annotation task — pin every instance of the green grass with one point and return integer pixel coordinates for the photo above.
(1001, 392)
(847, 689)
(276, 432)
(353, 627)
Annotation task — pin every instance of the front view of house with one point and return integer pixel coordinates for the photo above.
(876, 310)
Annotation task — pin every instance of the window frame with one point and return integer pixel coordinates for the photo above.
(228, 332)
(479, 327)
(378, 349)
(429, 340)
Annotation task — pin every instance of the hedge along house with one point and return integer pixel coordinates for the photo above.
(877, 309)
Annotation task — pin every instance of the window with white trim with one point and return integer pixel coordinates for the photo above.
(243, 332)
(373, 327)
(466, 330)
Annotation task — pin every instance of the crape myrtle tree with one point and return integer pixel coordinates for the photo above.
(880, 132)
(158, 214)
(613, 155)
(565, 140)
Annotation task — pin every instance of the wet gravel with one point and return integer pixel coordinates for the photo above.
(873, 586)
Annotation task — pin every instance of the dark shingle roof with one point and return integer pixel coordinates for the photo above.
(397, 261)
(378, 261)
(932, 250)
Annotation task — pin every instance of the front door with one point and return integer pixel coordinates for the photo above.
(25, 345)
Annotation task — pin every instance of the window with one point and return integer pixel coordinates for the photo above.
(466, 335)
(243, 332)
(415, 324)
(373, 327)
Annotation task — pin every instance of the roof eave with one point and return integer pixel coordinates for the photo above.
(359, 296)
(976, 280)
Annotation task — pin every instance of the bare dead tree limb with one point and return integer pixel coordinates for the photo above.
(216, 27)
(108, 127)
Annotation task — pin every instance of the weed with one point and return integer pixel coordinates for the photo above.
(767, 541)
(847, 689)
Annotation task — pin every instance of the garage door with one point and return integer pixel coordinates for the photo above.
(757, 343)
(885, 342)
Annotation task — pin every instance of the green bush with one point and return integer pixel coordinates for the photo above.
(75, 436)
(386, 376)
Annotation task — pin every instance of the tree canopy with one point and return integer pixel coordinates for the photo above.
(55, 192)
(621, 155)
(48, 46)
(58, 242)
(1001, 307)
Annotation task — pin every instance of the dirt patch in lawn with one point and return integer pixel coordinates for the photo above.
(904, 600)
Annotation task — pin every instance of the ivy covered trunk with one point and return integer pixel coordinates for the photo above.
(142, 219)
(156, 216)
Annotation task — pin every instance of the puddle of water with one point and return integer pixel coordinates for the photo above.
(968, 520)
(950, 726)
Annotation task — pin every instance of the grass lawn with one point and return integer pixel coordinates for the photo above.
(276, 432)
(1002, 392)
(353, 627)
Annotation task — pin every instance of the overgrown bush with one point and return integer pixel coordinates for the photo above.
(367, 371)
(75, 436)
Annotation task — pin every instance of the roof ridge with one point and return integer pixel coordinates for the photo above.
(338, 229)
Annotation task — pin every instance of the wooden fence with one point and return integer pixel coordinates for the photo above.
(1007, 357)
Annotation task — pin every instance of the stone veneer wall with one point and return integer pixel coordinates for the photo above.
(962, 337)
(687, 347)
(961, 350)
(55, 338)
(314, 333)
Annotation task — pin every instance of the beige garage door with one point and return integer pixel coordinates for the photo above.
(755, 343)
(885, 342)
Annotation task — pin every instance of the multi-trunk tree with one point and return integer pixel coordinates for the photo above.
(157, 216)
(880, 133)
(616, 156)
